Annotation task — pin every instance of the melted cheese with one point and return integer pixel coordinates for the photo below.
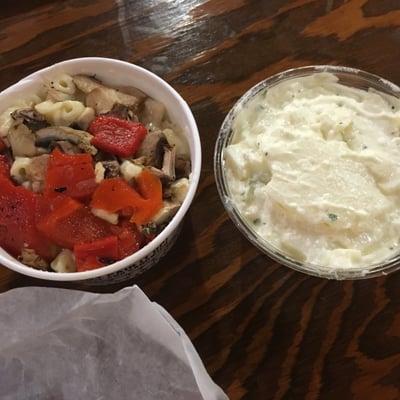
(314, 167)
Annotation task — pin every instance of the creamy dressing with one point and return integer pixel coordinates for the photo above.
(314, 167)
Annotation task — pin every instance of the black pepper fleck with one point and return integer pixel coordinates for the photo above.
(332, 217)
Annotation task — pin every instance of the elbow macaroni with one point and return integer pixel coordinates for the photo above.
(63, 83)
(19, 167)
(62, 113)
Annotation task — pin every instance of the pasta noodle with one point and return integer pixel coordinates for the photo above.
(64, 84)
(62, 113)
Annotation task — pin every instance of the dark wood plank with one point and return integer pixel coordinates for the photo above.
(263, 331)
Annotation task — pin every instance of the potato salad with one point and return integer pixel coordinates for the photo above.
(314, 168)
(89, 174)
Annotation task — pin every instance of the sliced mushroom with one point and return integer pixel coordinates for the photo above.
(6, 121)
(66, 147)
(168, 166)
(132, 91)
(29, 257)
(85, 83)
(159, 173)
(153, 113)
(46, 136)
(5, 141)
(111, 169)
(22, 140)
(30, 118)
(127, 100)
(106, 170)
(103, 99)
(152, 148)
(103, 156)
(166, 213)
(182, 167)
(123, 112)
(140, 161)
(175, 138)
(5, 116)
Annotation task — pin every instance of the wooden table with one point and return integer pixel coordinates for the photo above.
(263, 330)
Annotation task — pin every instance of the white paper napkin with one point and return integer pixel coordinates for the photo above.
(66, 344)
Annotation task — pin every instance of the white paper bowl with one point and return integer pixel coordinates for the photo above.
(119, 73)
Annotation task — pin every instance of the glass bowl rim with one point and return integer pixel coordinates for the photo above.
(225, 134)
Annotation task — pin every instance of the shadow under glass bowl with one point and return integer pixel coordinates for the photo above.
(347, 76)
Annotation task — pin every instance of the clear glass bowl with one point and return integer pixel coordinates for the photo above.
(347, 76)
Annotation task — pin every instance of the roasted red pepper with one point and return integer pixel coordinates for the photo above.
(117, 136)
(70, 174)
(92, 255)
(4, 165)
(114, 195)
(129, 238)
(2, 146)
(17, 221)
(150, 188)
(70, 223)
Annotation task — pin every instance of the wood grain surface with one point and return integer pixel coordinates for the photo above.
(263, 330)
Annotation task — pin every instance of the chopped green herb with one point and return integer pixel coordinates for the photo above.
(332, 217)
(256, 221)
(149, 229)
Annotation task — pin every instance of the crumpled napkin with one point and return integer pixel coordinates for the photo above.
(66, 344)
